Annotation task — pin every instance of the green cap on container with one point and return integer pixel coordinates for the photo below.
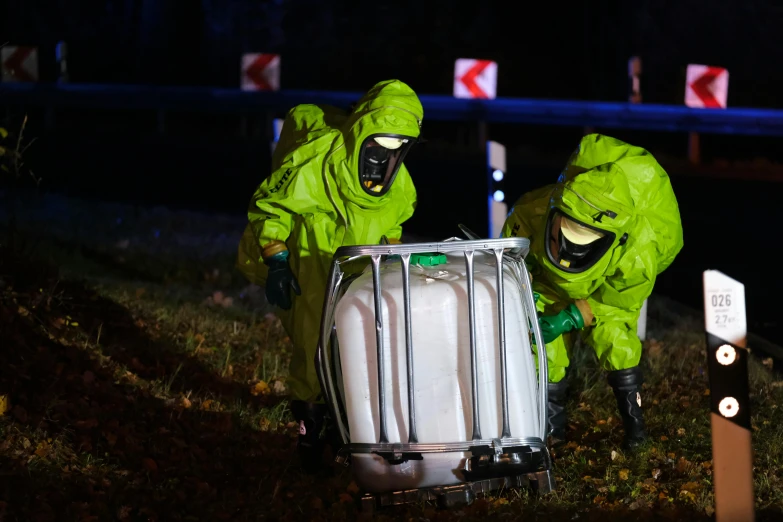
(428, 259)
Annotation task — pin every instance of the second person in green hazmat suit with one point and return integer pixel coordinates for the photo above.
(337, 179)
(599, 238)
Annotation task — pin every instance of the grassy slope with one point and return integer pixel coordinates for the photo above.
(137, 391)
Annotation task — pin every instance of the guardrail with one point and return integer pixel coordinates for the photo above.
(670, 118)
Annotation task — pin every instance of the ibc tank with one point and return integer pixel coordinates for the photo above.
(441, 363)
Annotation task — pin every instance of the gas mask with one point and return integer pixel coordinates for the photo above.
(574, 246)
(380, 160)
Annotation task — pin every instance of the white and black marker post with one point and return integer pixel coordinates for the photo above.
(496, 173)
(732, 455)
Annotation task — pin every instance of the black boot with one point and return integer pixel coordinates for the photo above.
(311, 418)
(627, 386)
(556, 392)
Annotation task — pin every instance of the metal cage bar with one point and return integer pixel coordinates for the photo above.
(376, 286)
(406, 294)
(506, 430)
(473, 354)
(510, 250)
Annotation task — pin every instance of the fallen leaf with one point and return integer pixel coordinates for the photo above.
(501, 501)
(688, 495)
(149, 464)
(623, 474)
(656, 473)
(637, 504)
(691, 486)
(654, 348)
(185, 402)
(5, 404)
(615, 455)
(86, 424)
(260, 388)
(683, 465)
(664, 438)
(206, 404)
(42, 450)
(680, 431)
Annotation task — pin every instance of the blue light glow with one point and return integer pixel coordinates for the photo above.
(572, 113)
(498, 195)
(497, 175)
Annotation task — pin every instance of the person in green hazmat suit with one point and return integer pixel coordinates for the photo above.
(337, 179)
(599, 237)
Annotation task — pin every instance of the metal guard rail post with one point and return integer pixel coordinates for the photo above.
(505, 251)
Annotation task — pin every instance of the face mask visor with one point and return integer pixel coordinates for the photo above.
(379, 161)
(574, 246)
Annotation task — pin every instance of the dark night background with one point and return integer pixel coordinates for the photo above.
(555, 50)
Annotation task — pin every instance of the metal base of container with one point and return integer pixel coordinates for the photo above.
(540, 482)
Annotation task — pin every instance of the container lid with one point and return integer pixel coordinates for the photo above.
(431, 259)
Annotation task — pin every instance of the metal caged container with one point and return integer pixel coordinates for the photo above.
(426, 363)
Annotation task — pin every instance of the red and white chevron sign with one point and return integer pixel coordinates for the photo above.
(475, 78)
(19, 64)
(260, 72)
(706, 87)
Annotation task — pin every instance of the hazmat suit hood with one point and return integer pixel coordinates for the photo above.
(377, 136)
(612, 200)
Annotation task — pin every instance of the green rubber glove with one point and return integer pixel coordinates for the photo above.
(280, 281)
(553, 326)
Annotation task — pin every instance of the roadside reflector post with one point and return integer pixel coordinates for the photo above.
(496, 174)
(727, 362)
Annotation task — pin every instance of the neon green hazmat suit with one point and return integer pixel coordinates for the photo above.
(622, 192)
(318, 199)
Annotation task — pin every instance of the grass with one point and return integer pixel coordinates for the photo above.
(144, 380)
